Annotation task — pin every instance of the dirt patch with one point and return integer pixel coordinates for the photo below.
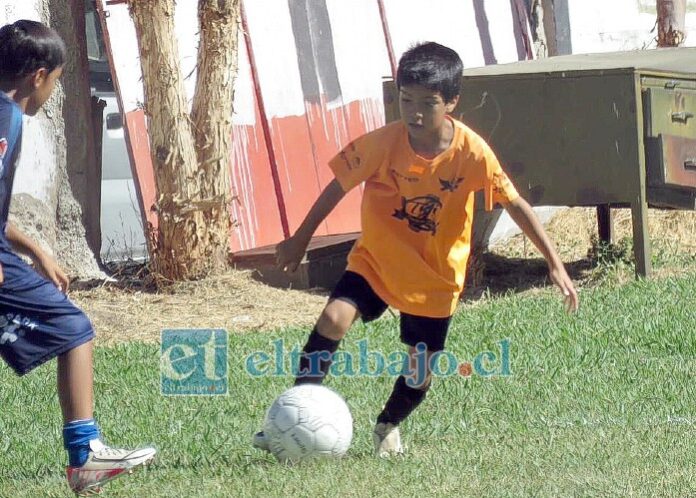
(233, 301)
(238, 303)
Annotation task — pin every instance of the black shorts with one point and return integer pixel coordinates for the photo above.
(354, 289)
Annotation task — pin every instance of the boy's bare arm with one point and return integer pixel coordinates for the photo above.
(43, 262)
(290, 252)
(20, 242)
(523, 214)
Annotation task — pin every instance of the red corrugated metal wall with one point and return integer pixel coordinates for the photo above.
(293, 126)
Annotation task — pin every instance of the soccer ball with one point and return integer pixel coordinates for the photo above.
(308, 421)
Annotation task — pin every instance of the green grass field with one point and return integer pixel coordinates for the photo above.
(598, 404)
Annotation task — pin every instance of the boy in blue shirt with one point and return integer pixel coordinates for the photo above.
(37, 320)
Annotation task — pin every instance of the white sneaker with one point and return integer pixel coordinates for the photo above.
(387, 440)
(260, 442)
(104, 464)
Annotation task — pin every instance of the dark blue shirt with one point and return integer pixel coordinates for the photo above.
(10, 145)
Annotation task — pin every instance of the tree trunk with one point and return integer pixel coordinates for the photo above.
(537, 18)
(553, 23)
(212, 115)
(190, 156)
(80, 220)
(670, 22)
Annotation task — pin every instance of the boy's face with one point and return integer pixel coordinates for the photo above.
(41, 84)
(423, 110)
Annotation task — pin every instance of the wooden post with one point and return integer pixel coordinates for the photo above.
(605, 226)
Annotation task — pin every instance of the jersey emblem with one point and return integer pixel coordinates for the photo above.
(420, 212)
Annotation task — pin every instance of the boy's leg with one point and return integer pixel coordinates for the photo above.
(351, 299)
(410, 389)
(317, 354)
(425, 337)
(322, 343)
(37, 324)
(75, 383)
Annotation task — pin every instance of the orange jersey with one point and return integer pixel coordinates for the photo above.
(417, 214)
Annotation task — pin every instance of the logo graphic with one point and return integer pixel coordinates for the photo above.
(193, 362)
(450, 186)
(420, 212)
(350, 157)
(282, 360)
(501, 183)
(409, 179)
(13, 326)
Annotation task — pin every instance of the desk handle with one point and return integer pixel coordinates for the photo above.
(682, 116)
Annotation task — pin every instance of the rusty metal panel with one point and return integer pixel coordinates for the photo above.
(671, 161)
(670, 112)
(672, 197)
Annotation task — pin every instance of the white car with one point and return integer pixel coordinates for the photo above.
(121, 222)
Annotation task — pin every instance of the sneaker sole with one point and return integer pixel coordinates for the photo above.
(96, 488)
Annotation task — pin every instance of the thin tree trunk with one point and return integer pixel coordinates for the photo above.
(180, 250)
(670, 22)
(212, 114)
(537, 21)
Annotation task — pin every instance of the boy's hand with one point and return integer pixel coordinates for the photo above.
(523, 214)
(560, 277)
(48, 267)
(290, 252)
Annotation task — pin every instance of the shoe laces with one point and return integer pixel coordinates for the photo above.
(98, 447)
(108, 451)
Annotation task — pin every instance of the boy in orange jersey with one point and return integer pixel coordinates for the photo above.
(420, 174)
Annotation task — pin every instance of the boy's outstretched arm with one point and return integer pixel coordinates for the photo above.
(522, 214)
(43, 262)
(290, 252)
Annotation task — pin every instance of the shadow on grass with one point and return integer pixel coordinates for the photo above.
(502, 275)
(494, 275)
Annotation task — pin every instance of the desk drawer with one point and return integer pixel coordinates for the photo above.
(671, 161)
(670, 112)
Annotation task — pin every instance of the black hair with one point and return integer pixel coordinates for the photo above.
(26, 46)
(433, 66)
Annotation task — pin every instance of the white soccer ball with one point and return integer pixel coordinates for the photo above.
(308, 421)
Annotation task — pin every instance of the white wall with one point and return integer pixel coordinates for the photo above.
(617, 25)
(451, 23)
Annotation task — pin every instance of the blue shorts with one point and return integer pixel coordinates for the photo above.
(37, 321)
